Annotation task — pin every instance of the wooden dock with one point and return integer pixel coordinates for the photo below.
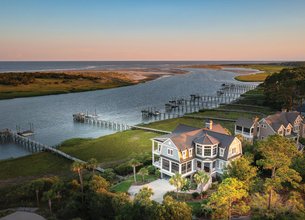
(34, 146)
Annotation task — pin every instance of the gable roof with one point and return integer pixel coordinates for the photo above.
(186, 140)
(281, 118)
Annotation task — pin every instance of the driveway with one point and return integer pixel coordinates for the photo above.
(20, 215)
(159, 187)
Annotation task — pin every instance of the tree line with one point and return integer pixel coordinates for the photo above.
(15, 79)
(286, 88)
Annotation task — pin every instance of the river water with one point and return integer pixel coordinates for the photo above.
(52, 115)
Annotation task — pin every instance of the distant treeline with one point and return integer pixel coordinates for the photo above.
(16, 79)
(286, 88)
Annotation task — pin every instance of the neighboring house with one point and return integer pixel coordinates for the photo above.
(247, 128)
(188, 149)
(287, 124)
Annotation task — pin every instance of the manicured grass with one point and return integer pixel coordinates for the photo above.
(259, 77)
(122, 186)
(125, 185)
(113, 148)
(58, 86)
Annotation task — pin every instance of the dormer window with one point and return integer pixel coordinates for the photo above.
(190, 152)
(184, 154)
(170, 152)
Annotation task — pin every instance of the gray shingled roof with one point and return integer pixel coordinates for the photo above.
(186, 140)
(281, 118)
(245, 122)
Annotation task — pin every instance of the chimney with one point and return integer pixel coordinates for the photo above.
(209, 124)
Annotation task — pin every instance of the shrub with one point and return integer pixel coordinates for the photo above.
(151, 170)
(123, 169)
(195, 195)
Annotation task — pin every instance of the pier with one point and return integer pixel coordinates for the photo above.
(9, 136)
(178, 107)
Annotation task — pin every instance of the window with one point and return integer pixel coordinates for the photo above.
(207, 151)
(184, 154)
(199, 150)
(175, 167)
(247, 130)
(170, 151)
(280, 132)
(262, 137)
(238, 128)
(189, 166)
(221, 152)
(215, 150)
(190, 152)
(214, 164)
(165, 164)
(220, 165)
(252, 130)
(199, 165)
(233, 151)
(288, 130)
(183, 168)
(264, 126)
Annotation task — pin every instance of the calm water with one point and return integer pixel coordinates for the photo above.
(97, 65)
(52, 115)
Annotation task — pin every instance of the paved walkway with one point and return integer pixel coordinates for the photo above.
(20, 215)
(159, 187)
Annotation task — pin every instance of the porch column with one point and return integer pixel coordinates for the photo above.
(179, 168)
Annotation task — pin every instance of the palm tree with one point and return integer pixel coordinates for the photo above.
(178, 181)
(201, 178)
(92, 164)
(38, 186)
(78, 167)
(49, 196)
(143, 172)
(134, 163)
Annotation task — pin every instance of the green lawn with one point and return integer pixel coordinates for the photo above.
(122, 186)
(111, 148)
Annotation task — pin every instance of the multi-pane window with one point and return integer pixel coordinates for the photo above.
(184, 154)
(199, 150)
(247, 130)
(183, 168)
(215, 150)
(238, 128)
(207, 151)
(165, 164)
(214, 164)
(175, 167)
(191, 152)
(233, 151)
(189, 166)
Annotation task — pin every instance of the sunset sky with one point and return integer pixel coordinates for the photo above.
(152, 30)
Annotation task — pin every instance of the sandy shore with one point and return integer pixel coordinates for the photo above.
(136, 75)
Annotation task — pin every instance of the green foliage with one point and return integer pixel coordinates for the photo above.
(242, 170)
(299, 165)
(176, 210)
(143, 172)
(227, 200)
(286, 89)
(277, 154)
(178, 181)
(201, 178)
